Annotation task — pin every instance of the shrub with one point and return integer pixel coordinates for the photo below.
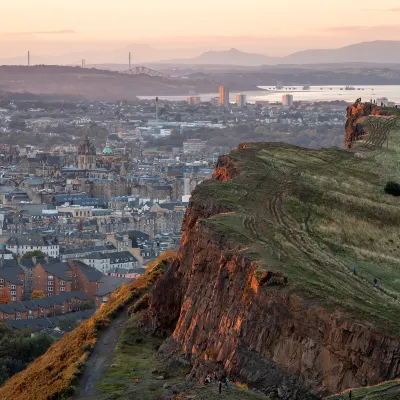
(392, 188)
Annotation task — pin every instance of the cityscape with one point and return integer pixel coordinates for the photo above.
(199, 201)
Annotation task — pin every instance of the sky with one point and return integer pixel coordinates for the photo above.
(57, 27)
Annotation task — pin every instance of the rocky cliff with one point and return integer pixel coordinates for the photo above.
(263, 283)
(355, 113)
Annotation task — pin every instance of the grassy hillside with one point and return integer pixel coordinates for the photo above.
(87, 83)
(53, 375)
(313, 215)
(385, 391)
(135, 358)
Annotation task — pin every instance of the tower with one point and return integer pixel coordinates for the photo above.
(87, 154)
(156, 108)
(223, 96)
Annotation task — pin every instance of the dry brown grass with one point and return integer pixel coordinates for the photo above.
(53, 375)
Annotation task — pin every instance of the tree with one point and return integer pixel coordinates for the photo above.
(38, 294)
(34, 253)
(67, 324)
(5, 296)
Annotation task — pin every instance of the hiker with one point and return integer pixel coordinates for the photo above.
(207, 380)
(350, 395)
(226, 382)
(375, 282)
(355, 270)
(220, 386)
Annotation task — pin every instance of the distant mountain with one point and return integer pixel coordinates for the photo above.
(369, 52)
(230, 57)
(380, 51)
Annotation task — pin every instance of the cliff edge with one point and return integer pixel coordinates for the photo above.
(264, 282)
(356, 113)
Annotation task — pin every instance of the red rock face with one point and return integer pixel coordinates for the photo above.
(215, 306)
(354, 130)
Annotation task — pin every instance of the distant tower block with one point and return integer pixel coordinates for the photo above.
(223, 96)
(156, 108)
(287, 100)
(130, 60)
(29, 58)
(241, 100)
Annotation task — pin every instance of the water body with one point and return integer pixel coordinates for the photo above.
(316, 93)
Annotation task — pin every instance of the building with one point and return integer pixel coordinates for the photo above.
(87, 155)
(43, 308)
(12, 278)
(287, 100)
(241, 100)
(194, 100)
(86, 279)
(77, 211)
(223, 96)
(22, 244)
(53, 279)
(214, 101)
(107, 262)
(194, 146)
(109, 284)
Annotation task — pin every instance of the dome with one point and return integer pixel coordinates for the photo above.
(107, 150)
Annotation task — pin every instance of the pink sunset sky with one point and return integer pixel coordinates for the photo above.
(58, 27)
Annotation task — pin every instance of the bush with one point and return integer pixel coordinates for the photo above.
(392, 188)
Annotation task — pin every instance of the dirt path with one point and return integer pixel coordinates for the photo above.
(100, 357)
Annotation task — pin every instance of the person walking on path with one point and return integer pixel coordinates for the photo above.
(226, 382)
(375, 282)
(350, 395)
(220, 386)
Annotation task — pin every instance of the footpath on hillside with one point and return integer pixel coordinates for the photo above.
(101, 356)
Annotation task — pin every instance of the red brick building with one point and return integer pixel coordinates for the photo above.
(12, 278)
(86, 279)
(64, 303)
(53, 279)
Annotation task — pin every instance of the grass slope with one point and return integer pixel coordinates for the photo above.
(313, 215)
(53, 375)
(135, 358)
(386, 391)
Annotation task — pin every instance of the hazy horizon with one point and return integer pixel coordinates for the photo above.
(54, 29)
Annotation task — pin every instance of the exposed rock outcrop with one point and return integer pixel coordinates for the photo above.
(354, 129)
(217, 306)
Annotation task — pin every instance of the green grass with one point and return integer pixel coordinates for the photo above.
(387, 391)
(313, 215)
(136, 357)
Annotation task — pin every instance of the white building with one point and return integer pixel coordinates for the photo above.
(20, 245)
(109, 261)
(194, 146)
(287, 100)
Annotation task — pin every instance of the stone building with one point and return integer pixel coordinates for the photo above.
(87, 155)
